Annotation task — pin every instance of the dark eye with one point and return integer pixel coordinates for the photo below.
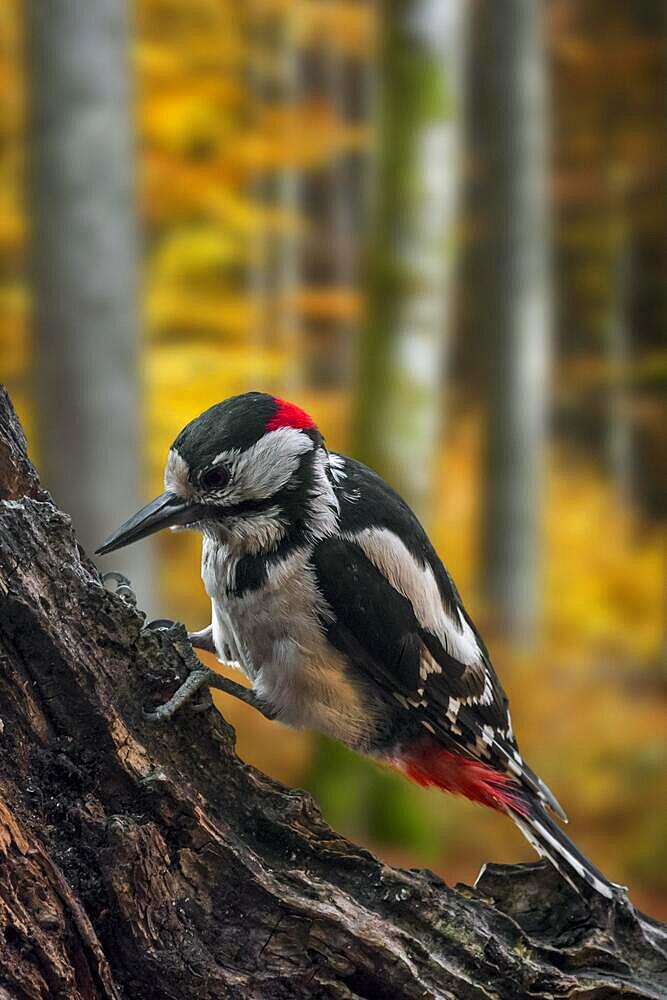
(215, 477)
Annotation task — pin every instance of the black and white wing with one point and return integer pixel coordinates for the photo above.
(397, 616)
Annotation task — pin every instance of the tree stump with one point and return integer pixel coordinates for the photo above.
(148, 861)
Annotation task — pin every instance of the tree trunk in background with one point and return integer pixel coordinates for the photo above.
(332, 211)
(273, 272)
(85, 265)
(508, 124)
(147, 861)
(316, 257)
(414, 197)
(620, 445)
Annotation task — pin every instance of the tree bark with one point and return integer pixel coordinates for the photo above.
(143, 861)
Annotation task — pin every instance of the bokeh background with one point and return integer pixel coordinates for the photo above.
(440, 226)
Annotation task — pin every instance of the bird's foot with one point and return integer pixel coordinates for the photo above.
(200, 678)
(181, 640)
(193, 683)
(198, 640)
(203, 639)
(205, 678)
(119, 584)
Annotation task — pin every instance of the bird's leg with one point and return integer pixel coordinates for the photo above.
(203, 639)
(200, 677)
(209, 679)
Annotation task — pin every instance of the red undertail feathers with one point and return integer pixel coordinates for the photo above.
(463, 776)
(452, 772)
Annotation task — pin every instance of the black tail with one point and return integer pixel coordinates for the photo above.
(550, 842)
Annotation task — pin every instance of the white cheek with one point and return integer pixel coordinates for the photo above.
(266, 467)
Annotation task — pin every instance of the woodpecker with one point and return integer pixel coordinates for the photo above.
(328, 595)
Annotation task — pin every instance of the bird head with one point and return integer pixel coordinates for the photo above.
(247, 471)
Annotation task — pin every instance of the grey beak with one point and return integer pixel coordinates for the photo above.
(165, 511)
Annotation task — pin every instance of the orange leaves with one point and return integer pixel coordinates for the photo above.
(346, 27)
(343, 303)
(302, 135)
(13, 295)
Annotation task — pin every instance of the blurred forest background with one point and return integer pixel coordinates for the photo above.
(441, 227)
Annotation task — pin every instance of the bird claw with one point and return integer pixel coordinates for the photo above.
(120, 586)
(161, 624)
(176, 633)
(199, 707)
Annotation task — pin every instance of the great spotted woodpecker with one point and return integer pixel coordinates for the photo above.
(327, 593)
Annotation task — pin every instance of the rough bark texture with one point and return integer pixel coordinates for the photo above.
(144, 861)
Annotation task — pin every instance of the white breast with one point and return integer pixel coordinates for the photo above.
(282, 649)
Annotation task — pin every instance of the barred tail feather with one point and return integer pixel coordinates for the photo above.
(552, 843)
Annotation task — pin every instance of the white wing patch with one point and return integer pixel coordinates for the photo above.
(488, 735)
(417, 583)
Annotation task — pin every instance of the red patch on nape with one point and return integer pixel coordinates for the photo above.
(433, 765)
(289, 415)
